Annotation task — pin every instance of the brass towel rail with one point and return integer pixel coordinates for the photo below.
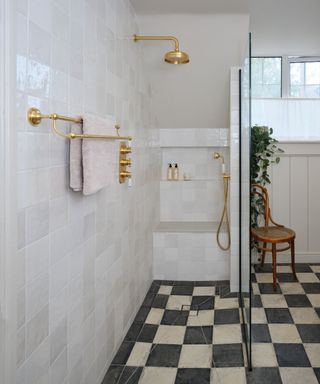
(35, 118)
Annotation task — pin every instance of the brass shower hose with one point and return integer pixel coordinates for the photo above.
(224, 215)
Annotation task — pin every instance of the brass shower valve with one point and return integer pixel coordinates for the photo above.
(125, 150)
(125, 174)
(126, 162)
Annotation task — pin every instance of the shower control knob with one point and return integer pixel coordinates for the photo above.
(125, 150)
(125, 174)
(126, 162)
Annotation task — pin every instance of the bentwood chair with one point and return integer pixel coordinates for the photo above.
(274, 235)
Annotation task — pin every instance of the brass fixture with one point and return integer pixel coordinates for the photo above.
(224, 216)
(172, 57)
(35, 118)
(124, 162)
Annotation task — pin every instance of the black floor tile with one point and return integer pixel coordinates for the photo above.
(113, 374)
(148, 333)
(183, 283)
(160, 301)
(134, 331)
(317, 373)
(256, 301)
(198, 335)
(286, 278)
(142, 315)
(267, 268)
(130, 375)
(147, 302)
(278, 315)
(123, 353)
(311, 287)
(318, 311)
(182, 290)
(260, 333)
(174, 317)
(202, 302)
(264, 376)
(226, 316)
(297, 301)
(309, 333)
(267, 289)
(154, 288)
(164, 355)
(193, 376)
(167, 282)
(318, 275)
(227, 355)
(291, 355)
(208, 283)
(253, 278)
(302, 267)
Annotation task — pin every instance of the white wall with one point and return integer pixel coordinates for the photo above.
(285, 27)
(85, 263)
(196, 94)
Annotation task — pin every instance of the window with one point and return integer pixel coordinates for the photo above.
(287, 77)
(266, 77)
(304, 78)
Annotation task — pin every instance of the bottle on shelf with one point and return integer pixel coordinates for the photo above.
(176, 172)
(170, 172)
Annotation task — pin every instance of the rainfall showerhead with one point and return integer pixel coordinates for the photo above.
(172, 57)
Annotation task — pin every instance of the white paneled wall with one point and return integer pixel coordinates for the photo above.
(85, 263)
(295, 192)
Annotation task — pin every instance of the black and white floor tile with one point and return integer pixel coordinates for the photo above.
(190, 333)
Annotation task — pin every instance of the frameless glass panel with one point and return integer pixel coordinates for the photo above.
(244, 192)
(266, 77)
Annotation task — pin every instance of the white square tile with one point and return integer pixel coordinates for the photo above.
(139, 354)
(304, 316)
(259, 316)
(196, 356)
(314, 299)
(284, 333)
(155, 316)
(291, 288)
(157, 375)
(274, 301)
(229, 375)
(227, 334)
(315, 268)
(201, 318)
(169, 334)
(307, 278)
(298, 376)
(263, 355)
(165, 290)
(313, 352)
(228, 303)
(176, 302)
(204, 291)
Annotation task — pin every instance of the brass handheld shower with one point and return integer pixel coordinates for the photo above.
(172, 57)
(224, 216)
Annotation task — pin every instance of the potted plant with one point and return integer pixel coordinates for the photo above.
(264, 152)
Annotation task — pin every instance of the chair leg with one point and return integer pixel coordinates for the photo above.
(293, 259)
(274, 262)
(263, 255)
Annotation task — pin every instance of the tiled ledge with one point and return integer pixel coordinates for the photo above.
(188, 226)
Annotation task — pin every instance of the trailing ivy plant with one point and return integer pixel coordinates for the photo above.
(264, 152)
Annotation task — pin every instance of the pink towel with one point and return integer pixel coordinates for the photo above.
(94, 162)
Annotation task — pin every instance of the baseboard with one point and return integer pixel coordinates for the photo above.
(301, 257)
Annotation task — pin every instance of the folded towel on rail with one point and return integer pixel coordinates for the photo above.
(98, 168)
(76, 169)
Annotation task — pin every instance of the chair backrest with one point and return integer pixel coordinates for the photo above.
(262, 192)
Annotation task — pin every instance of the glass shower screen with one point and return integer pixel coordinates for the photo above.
(244, 195)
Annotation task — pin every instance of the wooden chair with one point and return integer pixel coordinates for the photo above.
(276, 234)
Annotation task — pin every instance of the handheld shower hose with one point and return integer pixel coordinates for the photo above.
(224, 216)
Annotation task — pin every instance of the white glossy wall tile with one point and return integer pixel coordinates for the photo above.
(85, 263)
(189, 256)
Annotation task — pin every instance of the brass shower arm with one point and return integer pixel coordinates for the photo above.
(162, 38)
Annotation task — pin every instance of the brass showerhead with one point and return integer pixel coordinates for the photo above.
(172, 57)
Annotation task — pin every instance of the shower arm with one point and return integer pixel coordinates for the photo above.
(161, 38)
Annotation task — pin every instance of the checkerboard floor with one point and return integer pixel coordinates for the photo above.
(190, 333)
(286, 325)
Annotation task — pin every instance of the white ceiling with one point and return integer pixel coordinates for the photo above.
(190, 6)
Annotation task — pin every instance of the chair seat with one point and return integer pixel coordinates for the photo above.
(273, 234)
